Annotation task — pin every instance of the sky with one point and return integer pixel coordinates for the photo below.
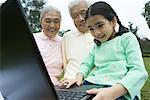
(127, 10)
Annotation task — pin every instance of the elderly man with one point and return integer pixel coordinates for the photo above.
(76, 45)
(49, 43)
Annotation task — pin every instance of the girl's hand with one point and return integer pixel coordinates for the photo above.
(101, 94)
(68, 82)
(110, 93)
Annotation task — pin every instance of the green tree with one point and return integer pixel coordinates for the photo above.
(133, 29)
(32, 9)
(146, 13)
(62, 32)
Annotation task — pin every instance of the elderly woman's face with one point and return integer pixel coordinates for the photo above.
(50, 23)
(78, 13)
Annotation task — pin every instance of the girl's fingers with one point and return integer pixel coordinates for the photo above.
(97, 97)
(92, 91)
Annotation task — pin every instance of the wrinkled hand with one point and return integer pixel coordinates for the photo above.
(69, 82)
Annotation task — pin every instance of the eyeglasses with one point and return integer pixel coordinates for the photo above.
(79, 14)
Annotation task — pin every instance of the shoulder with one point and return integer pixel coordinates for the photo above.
(69, 35)
(37, 34)
(72, 33)
(129, 39)
(59, 39)
(128, 35)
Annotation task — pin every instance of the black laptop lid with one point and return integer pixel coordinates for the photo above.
(23, 75)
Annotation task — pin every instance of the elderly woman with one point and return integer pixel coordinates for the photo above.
(49, 43)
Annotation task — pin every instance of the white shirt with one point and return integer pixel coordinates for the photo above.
(75, 47)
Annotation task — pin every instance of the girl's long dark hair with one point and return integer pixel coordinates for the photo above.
(104, 9)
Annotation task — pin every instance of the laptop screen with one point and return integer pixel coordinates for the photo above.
(23, 75)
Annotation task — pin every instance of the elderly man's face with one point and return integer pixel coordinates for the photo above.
(51, 23)
(78, 13)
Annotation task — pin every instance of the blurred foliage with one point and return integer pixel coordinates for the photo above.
(32, 10)
(62, 32)
(132, 28)
(146, 13)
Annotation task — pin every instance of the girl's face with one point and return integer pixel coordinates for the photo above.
(101, 28)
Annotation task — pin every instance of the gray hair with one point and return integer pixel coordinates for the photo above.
(48, 9)
(77, 2)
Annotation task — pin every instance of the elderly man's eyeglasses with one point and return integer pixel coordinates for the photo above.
(79, 14)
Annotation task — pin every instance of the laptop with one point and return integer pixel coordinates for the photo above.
(23, 75)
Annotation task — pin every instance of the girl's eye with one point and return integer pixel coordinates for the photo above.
(99, 26)
(91, 29)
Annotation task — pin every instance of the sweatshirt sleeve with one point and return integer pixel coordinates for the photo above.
(88, 63)
(137, 75)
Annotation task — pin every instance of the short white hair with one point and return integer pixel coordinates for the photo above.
(74, 3)
(48, 9)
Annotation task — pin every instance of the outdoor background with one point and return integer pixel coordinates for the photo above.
(134, 14)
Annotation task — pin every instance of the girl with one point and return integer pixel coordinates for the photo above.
(116, 58)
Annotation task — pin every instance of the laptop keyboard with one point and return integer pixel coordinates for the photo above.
(72, 95)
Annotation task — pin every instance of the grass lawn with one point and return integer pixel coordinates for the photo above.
(146, 89)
